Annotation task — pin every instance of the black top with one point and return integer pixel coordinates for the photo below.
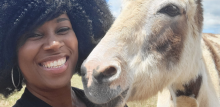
(29, 100)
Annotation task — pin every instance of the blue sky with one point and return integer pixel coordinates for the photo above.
(211, 14)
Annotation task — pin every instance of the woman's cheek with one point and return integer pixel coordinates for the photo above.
(26, 55)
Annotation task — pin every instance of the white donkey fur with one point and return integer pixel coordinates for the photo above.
(148, 50)
(211, 55)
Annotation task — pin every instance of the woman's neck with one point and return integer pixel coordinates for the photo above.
(61, 97)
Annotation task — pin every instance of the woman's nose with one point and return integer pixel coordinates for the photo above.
(53, 45)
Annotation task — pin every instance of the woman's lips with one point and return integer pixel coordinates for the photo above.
(55, 66)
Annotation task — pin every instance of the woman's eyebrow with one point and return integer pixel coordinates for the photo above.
(61, 19)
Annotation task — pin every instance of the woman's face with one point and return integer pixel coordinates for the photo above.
(49, 56)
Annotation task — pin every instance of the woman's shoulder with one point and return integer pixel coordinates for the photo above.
(81, 95)
(18, 104)
(29, 100)
(78, 91)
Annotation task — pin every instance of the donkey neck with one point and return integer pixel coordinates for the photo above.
(190, 89)
(199, 88)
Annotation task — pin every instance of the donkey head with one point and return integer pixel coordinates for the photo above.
(151, 44)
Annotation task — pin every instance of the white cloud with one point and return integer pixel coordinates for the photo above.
(115, 6)
(211, 14)
(211, 19)
(211, 23)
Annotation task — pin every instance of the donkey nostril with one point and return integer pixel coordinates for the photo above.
(104, 74)
(110, 71)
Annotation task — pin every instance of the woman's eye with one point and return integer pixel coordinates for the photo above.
(63, 31)
(35, 36)
(170, 10)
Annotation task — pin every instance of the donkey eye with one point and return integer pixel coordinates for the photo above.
(170, 10)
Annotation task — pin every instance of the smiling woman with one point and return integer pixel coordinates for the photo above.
(43, 43)
(50, 53)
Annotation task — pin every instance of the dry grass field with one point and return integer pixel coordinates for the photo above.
(76, 82)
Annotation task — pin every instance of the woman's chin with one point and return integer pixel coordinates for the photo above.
(58, 82)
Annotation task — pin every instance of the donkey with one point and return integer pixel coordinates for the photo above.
(152, 45)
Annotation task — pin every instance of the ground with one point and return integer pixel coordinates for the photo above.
(76, 82)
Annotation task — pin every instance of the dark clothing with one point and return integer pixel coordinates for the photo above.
(29, 100)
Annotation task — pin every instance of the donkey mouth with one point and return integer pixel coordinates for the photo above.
(119, 101)
(102, 94)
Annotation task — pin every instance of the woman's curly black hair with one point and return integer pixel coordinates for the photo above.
(90, 20)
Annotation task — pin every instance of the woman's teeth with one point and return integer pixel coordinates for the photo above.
(54, 64)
